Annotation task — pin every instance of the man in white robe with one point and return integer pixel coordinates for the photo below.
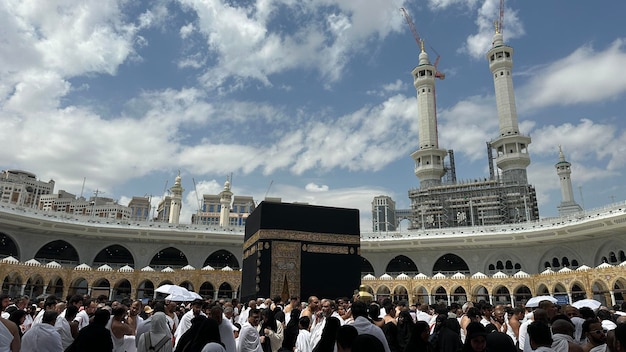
(43, 337)
(249, 339)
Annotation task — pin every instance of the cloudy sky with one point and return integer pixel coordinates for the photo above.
(307, 100)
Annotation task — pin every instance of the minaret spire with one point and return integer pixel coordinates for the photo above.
(511, 147)
(429, 157)
(563, 169)
(177, 198)
(226, 197)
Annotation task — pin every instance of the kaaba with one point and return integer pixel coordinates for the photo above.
(301, 250)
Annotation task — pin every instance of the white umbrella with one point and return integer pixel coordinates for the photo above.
(172, 290)
(534, 302)
(591, 303)
(189, 296)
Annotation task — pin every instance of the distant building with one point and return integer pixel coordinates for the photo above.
(140, 209)
(22, 188)
(563, 169)
(384, 214)
(224, 209)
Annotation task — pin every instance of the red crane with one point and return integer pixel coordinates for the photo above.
(420, 42)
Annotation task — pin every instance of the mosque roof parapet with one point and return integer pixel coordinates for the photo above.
(521, 274)
(439, 276)
(479, 275)
(500, 275)
(369, 277)
(583, 268)
(420, 276)
(623, 263)
(104, 267)
(82, 267)
(32, 262)
(548, 271)
(458, 275)
(167, 269)
(565, 270)
(10, 260)
(147, 268)
(386, 277)
(207, 268)
(126, 269)
(227, 268)
(188, 267)
(54, 264)
(604, 265)
(402, 276)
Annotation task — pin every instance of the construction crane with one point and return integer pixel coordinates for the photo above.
(420, 41)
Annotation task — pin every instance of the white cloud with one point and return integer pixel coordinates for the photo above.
(560, 83)
(478, 44)
(312, 187)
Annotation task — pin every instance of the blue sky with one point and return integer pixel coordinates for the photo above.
(314, 98)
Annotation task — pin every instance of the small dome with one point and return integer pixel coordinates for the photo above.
(583, 268)
(521, 274)
(385, 277)
(82, 267)
(369, 277)
(439, 276)
(623, 263)
(147, 268)
(208, 267)
(32, 262)
(402, 276)
(500, 275)
(126, 269)
(604, 265)
(10, 260)
(54, 264)
(458, 276)
(167, 270)
(420, 276)
(188, 267)
(227, 268)
(565, 270)
(104, 267)
(479, 275)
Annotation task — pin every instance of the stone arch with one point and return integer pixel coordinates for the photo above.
(34, 286)
(542, 290)
(554, 257)
(56, 286)
(577, 290)
(510, 262)
(459, 295)
(450, 263)
(400, 293)
(170, 256)
(440, 295)
(222, 258)
(207, 290)
(122, 289)
(522, 294)
(79, 286)
(480, 292)
(501, 295)
(600, 292)
(611, 246)
(401, 264)
(187, 284)
(59, 251)
(366, 267)
(8, 247)
(12, 284)
(619, 289)
(382, 292)
(114, 254)
(145, 289)
(420, 294)
(101, 286)
(225, 290)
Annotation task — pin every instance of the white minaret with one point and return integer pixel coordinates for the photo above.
(563, 169)
(177, 198)
(429, 157)
(226, 197)
(511, 147)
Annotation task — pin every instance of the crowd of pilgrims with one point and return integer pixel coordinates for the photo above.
(315, 325)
